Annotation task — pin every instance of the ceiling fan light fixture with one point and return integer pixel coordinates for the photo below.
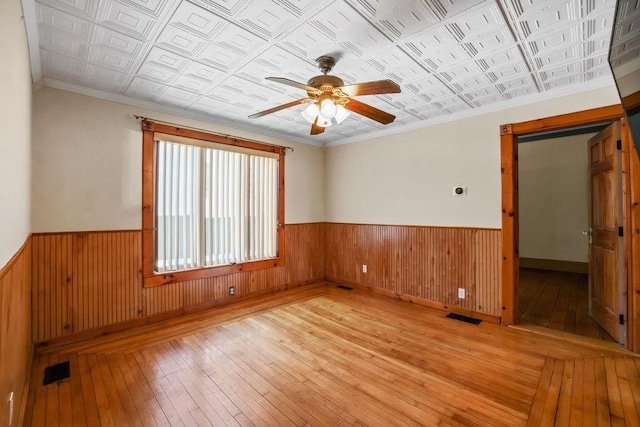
(328, 109)
(341, 114)
(323, 122)
(311, 112)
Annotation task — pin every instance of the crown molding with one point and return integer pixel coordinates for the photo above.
(29, 15)
(96, 93)
(513, 103)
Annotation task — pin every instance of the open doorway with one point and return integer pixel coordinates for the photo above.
(554, 241)
(628, 256)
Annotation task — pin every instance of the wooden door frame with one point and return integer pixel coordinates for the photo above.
(509, 171)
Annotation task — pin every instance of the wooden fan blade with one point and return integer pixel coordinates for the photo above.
(288, 82)
(278, 108)
(371, 88)
(315, 129)
(368, 111)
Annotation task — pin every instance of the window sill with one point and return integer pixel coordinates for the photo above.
(159, 279)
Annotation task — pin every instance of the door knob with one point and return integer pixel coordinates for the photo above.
(589, 233)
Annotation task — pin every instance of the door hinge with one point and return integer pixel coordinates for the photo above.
(620, 231)
(622, 319)
(619, 144)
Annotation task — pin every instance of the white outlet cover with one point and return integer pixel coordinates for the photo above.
(364, 268)
(461, 293)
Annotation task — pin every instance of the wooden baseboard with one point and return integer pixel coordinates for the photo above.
(555, 265)
(420, 301)
(116, 327)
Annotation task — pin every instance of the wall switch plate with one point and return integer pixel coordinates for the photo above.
(461, 293)
(459, 190)
(232, 290)
(364, 268)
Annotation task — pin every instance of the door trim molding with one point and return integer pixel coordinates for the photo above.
(509, 170)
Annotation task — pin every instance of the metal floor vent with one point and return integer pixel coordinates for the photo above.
(346, 288)
(462, 318)
(57, 372)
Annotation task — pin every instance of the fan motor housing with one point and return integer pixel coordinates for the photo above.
(324, 80)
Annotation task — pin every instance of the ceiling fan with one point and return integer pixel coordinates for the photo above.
(328, 98)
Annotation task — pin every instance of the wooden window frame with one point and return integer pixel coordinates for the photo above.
(149, 276)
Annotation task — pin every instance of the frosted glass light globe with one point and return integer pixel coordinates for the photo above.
(328, 109)
(311, 112)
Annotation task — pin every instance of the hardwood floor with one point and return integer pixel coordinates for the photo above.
(558, 301)
(320, 355)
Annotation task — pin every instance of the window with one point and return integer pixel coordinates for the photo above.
(212, 205)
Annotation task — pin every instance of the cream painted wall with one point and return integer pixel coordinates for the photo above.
(553, 188)
(15, 122)
(87, 165)
(407, 178)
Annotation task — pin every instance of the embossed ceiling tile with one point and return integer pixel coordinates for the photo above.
(556, 57)
(63, 43)
(154, 72)
(256, 95)
(104, 79)
(50, 18)
(267, 18)
(50, 72)
(83, 8)
(111, 59)
(220, 57)
(429, 87)
(169, 60)
(104, 37)
(154, 8)
(362, 71)
(308, 43)
(523, 86)
(481, 29)
(343, 25)
(177, 97)
(448, 8)
(560, 76)
(277, 62)
(397, 19)
(64, 63)
(227, 8)
(145, 89)
(125, 19)
(506, 59)
(484, 96)
(193, 84)
(436, 49)
(396, 65)
(538, 17)
(202, 72)
(180, 41)
(406, 99)
(463, 71)
(197, 20)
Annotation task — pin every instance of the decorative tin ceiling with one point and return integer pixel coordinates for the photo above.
(210, 57)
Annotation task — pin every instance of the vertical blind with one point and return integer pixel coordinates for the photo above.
(213, 207)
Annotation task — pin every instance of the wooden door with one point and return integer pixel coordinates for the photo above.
(605, 286)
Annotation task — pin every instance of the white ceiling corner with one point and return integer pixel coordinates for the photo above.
(208, 59)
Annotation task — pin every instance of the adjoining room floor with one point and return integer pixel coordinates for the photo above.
(320, 355)
(558, 301)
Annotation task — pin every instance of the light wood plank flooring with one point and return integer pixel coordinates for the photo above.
(558, 301)
(319, 355)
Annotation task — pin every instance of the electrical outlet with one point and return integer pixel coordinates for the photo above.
(10, 402)
(232, 290)
(461, 293)
(364, 268)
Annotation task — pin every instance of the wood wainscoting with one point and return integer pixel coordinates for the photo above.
(421, 262)
(16, 347)
(86, 281)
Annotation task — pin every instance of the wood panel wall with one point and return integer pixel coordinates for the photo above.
(88, 280)
(430, 263)
(15, 332)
